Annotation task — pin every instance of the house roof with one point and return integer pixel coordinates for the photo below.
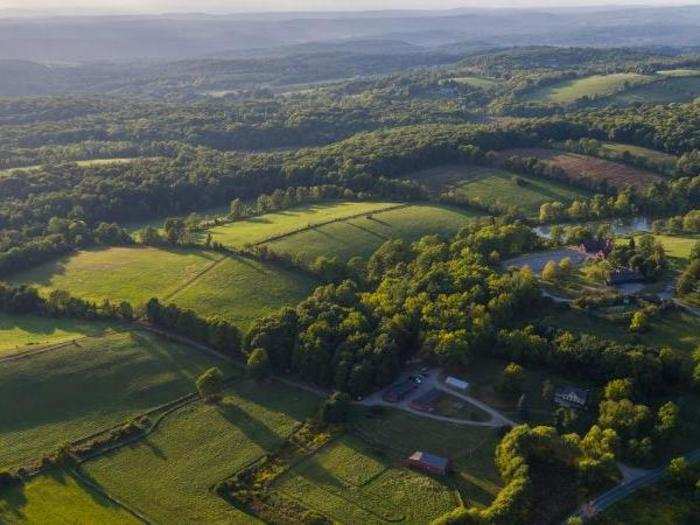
(429, 459)
(457, 383)
(578, 395)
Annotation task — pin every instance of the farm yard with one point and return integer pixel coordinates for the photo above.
(89, 385)
(583, 167)
(196, 447)
(58, 497)
(361, 236)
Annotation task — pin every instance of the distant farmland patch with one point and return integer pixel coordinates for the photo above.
(64, 394)
(498, 188)
(477, 82)
(659, 157)
(83, 163)
(169, 475)
(666, 91)
(584, 167)
(363, 235)
(570, 91)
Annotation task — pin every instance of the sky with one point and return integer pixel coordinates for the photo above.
(217, 6)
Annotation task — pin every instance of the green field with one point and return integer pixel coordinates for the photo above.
(60, 498)
(120, 274)
(477, 82)
(680, 72)
(18, 332)
(651, 154)
(240, 290)
(361, 236)
(674, 89)
(169, 476)
(256, 229)
(65, 394)
(570, 91)
(83, 163)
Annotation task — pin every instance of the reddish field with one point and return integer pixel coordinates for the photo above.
(585, 167)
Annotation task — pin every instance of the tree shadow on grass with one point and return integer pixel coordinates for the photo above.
(254, 429)
(367, 230)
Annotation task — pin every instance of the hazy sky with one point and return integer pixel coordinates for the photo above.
(300, 5)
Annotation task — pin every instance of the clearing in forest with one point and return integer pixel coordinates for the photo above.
(659, 157)
(498, 188)
(665, 91)
(361, 236)
(133, 274)
(58, 497)
(569, 91)
(477, 82)
(82, 163)
(67, 393)
(272, 225)
(586, 168)
(169, 475)
(239, 290)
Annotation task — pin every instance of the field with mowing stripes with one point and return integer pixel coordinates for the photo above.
(60, 498)
(362, 236)
(24, 332)
(196, 447)
(584, 167)
(258, 229)
(64, 394)
(570, 91)
(498, 188)
(239, 290)
(120, 274)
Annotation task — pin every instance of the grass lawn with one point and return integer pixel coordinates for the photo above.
(362, 236)
(477, 82)
(240, 290)
(673, 89)
(596, 85)
(257, 229)
(64, 394)
(169, 475)
(60, 498)
(17, 332)
(120, 274)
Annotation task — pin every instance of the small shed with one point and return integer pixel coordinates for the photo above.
(457, 384)
(571, 397)
(429, 463)
(623, 276)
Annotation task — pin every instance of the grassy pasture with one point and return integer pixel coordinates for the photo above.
(257, 229)
(653, 155)
(168, 476)
(82, 163)
(672, 89)
(64, 394)
(477, 82)
(498, 187)
(60, 498)
(569, 91)
(120, 274)
(584, 167)
(679, 72)
(239, 290)
(361, 236)
(18, 332)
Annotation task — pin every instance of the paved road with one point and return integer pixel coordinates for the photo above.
(625, 489)
(433, 381)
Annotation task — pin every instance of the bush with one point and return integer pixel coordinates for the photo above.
(210, 384)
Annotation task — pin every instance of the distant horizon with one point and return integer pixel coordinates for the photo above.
(214, 7)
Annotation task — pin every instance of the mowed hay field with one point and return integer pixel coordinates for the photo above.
(60, 498)
(361, 236)
(570, 91)
(498, 188)
(239, 290)
(24, 332)
(120, 274)
(584, 167)
(169, 475)
(67, 393)
(258, 229)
